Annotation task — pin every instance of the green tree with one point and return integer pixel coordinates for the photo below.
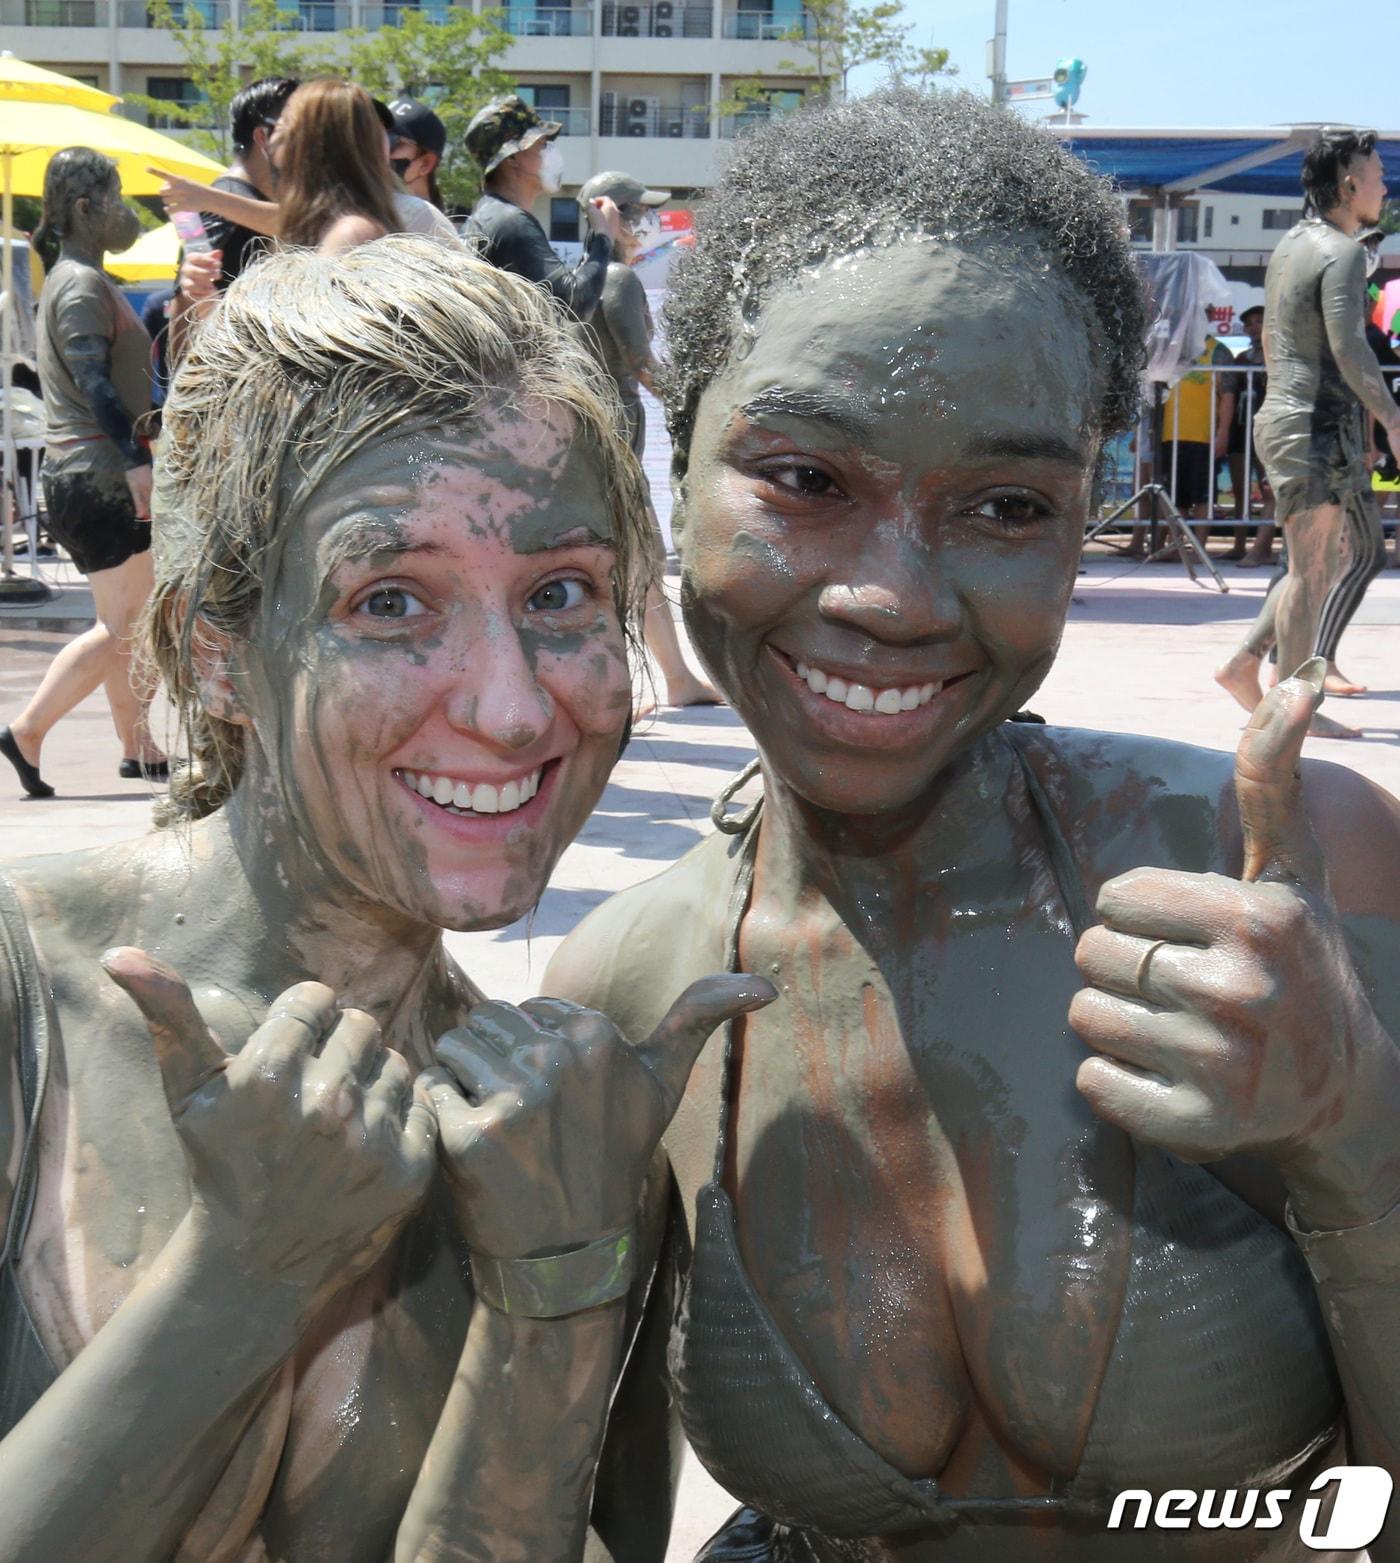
(447, 58)
(449, 64)
(838, 36)
(220, 61)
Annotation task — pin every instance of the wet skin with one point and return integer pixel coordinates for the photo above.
(889, 483)
(446, 607)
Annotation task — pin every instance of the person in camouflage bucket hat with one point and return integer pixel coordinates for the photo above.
(516, 152)
(503, 128)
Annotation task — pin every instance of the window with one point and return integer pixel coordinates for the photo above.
(172, 89)
(1187, 218)
(563, 219)
(1234, 219)
(1188, 227)
(1278, 219)
(1209, 227)
(544, 97)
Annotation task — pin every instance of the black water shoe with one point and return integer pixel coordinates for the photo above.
(29, 777)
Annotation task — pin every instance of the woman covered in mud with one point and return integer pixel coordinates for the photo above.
(1065, 1162)
(247, 1219)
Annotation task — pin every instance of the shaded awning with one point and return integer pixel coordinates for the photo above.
(1265, 160)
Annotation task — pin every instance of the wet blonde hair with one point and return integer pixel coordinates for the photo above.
(307, 359)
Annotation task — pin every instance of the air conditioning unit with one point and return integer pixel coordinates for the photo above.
(662, 30)
(663, 19)
(641, 108)
(631, 16)
(634, 127)
(675, 129)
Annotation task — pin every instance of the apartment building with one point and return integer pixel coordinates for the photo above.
(635, 85)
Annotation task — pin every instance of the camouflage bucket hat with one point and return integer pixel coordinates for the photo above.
(503, 128)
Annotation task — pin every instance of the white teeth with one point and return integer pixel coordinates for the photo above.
(478, 798)
(861, 697)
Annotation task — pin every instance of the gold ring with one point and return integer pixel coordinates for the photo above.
(1145, 961)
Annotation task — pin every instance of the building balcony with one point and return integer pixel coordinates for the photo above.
(550, 21)
(576, 122)
(657, 19)
(54, 13)
(375, 17)
(638, 117)
(777, 24)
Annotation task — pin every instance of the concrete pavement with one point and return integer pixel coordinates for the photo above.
(1138, 653)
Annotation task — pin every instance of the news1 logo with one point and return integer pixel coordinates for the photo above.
(1362, 1499)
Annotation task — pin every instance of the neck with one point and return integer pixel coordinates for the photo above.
(951, 839)
(82, 246)
(520, 190)
(275, 918)
(1344, 218)
(242, 168)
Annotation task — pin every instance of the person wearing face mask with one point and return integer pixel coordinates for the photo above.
(416, 144)
(95, 364)
(620, 334)
(516, 152)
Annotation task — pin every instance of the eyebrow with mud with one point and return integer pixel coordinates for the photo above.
(1028, 447)
(779, 403)
(360, 538)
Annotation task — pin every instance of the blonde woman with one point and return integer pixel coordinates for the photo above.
(397, 577)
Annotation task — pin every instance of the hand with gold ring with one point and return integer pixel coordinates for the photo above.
(1226, 1016)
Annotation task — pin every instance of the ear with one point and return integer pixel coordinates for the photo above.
(214, 653)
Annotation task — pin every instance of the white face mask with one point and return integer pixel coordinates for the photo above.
(551, 168)
(647, 232)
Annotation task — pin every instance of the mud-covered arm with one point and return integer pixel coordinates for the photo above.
(89, 360)
(1244, 1017)
(1344, 316)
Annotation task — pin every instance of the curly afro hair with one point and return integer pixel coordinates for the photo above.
(840, 178)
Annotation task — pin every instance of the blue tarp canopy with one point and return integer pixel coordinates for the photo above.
(1259, 161)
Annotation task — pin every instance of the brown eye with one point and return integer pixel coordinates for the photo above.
(1013, 510)
(798, 478)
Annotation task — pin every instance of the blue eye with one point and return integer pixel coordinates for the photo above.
(392, 602)
(558, 596)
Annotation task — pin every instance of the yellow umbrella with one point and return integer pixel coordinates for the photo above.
(155, 257)
(34, 84)
(30, 134)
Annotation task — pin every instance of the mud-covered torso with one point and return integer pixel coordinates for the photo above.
(934, 1225)
(1305, 381)
(330, 1456)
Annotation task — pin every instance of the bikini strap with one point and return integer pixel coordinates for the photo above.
(746, 827)
(33, 1008)
(1066, 871)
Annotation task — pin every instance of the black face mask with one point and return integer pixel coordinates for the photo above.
(400, 165)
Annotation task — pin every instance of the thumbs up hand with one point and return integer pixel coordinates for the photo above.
(1226, 1015)
(307, 1148)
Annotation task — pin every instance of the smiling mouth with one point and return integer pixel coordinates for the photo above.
(865, 698)
(471, 798)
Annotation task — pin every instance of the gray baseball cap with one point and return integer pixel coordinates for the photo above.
(623, 189)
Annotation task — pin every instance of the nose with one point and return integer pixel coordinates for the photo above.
(894, 590)
(495, 696)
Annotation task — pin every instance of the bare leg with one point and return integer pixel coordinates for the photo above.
(1314, 543)
(683, 687)
(1239, 677)
(101, 655)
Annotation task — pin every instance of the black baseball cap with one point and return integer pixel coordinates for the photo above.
(415, 121)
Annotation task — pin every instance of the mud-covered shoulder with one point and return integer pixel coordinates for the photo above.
(631, 956)
(1124, 801)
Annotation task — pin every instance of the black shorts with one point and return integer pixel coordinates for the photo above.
(91, 513)
(1195, 468)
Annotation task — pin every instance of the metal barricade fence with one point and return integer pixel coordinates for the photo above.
(1131, 461)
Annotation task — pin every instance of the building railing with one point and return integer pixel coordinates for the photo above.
(136, 13)
(576, 122)
(634, 116)
(656, 19)
(767, 26)
(55, 13)
(375, 17)
(549, 21)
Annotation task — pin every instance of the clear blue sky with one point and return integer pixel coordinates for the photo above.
(1186, 62)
